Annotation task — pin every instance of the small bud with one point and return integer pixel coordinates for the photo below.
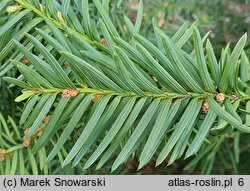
(69, 93)
(2, 159)
(25, 138)
(26, 132)
(12, 9)
(41, 8)
(26, 142)
(39, 133)
(25, 61)
(65, 93)
(205, 107)
(220, 97)
(96, 97)
(73, 93)
(103, 41)
(60, 17)
(2, 152)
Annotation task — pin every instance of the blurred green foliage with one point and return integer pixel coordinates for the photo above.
(227, 20)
